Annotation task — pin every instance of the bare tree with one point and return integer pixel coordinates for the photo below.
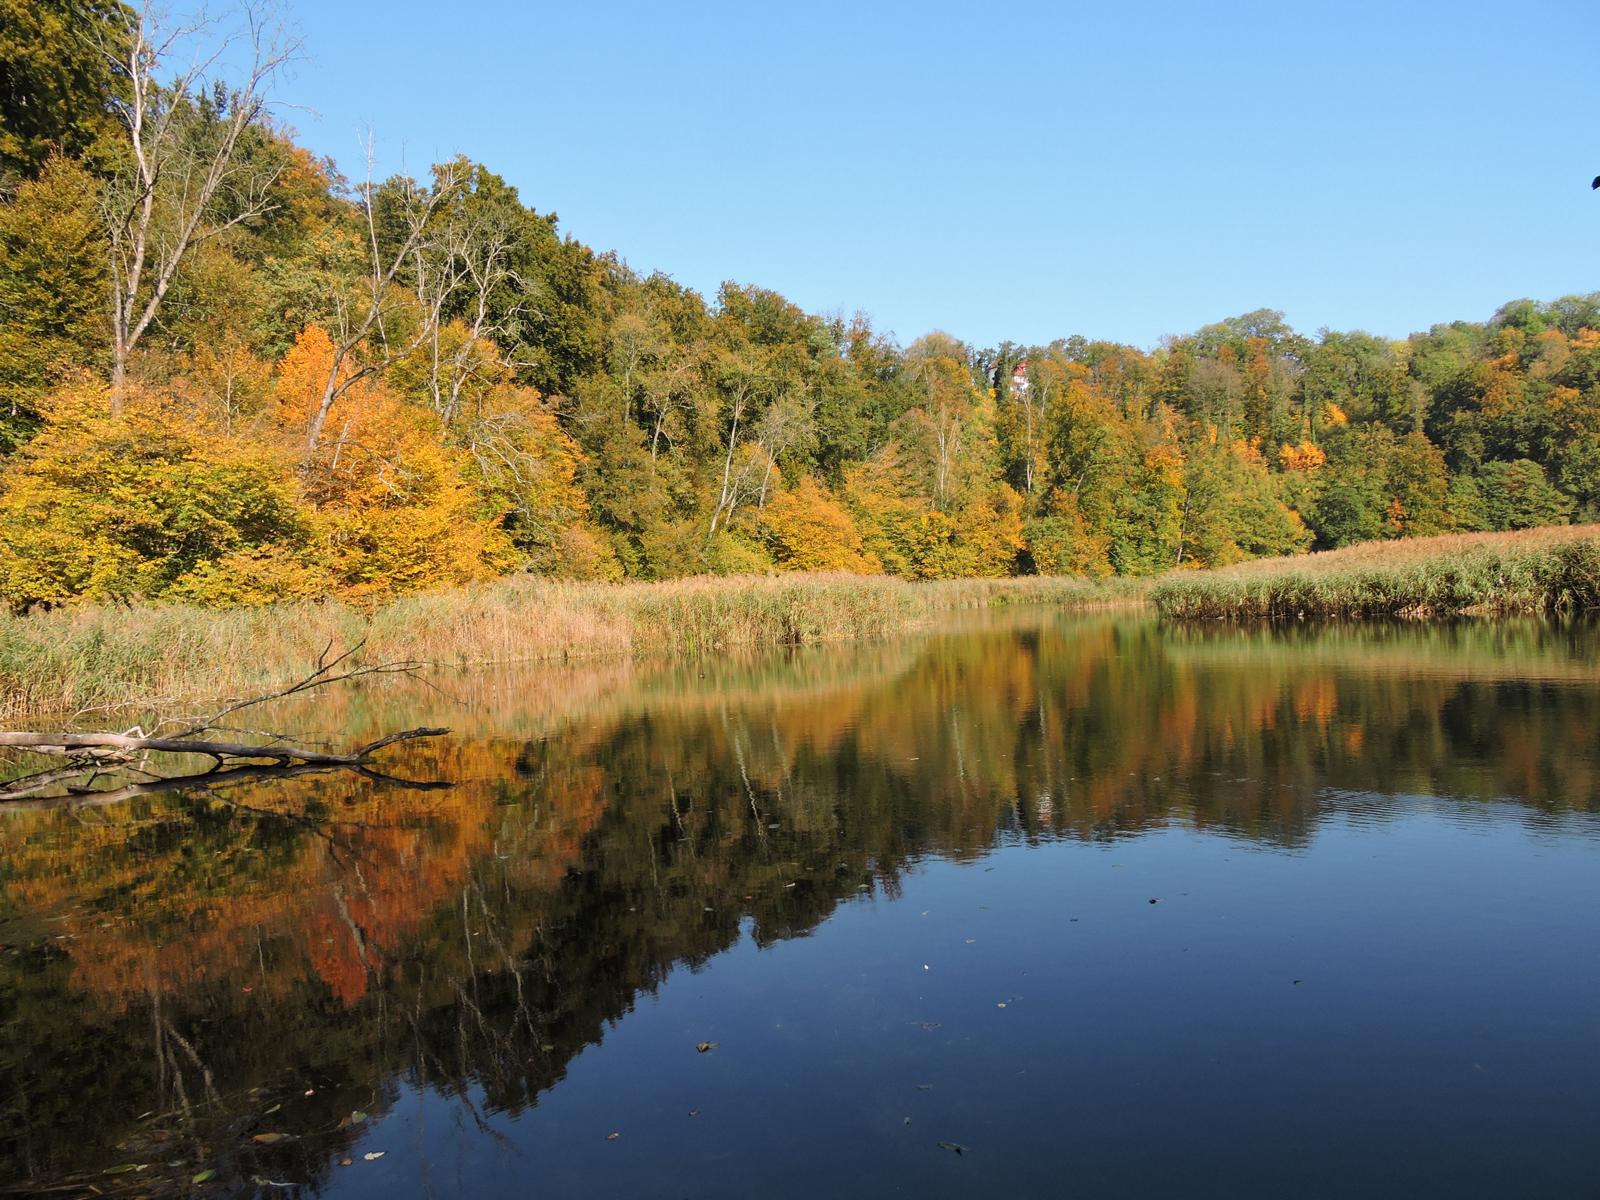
(742, 380)
(788, 425)
(361, 342)
(669, 389)
(461, 269)
(183, 182)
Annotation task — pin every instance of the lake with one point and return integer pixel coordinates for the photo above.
(1034, 905)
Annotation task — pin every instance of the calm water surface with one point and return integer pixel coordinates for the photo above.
(1041, 907)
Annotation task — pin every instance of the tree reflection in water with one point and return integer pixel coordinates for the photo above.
(237, 984)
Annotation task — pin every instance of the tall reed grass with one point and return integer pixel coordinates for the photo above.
(1531, 571)
(109, 656)
(112, 656)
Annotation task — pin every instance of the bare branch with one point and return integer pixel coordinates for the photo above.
(71, 743)
(365, 326)
(321, 677)
(183, 183)
(93, 753)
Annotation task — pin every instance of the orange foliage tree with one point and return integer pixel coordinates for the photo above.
(392, 504)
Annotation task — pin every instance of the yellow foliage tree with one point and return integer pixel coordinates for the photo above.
(897, 528)
(988, 533)
(147, 502)
(904, 531)
(808, 530)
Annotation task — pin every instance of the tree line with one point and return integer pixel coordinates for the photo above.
(229, 375)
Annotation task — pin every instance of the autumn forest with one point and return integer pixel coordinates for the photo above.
(230, 375)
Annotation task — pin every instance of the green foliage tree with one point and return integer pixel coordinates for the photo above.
(57, 86)
(1517, 495)
(52, 291)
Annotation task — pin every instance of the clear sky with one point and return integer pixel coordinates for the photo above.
(1012, 170)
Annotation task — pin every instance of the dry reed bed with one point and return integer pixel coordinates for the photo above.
(1531, 571)
(111, 656)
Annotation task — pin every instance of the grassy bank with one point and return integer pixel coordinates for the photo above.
(1530, 571)
(112, 656)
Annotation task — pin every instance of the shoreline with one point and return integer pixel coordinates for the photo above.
(1553, 570)
(87, 658)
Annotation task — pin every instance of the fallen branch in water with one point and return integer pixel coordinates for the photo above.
(92, 754)
(111, 747)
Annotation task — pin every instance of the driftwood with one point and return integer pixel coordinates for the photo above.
(94, 754)
(114, 746)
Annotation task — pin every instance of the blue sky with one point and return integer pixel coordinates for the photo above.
(1013, 170)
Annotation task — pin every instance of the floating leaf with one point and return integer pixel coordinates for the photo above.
(703, 1047)
(611, 1137)
(954, 1147)
(374, 1155)
(270, 1139)
(357, 1117)
(203, 1176)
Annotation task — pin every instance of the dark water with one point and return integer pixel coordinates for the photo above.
(1117, 910)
